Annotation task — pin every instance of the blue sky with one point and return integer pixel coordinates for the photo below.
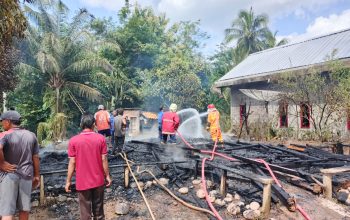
(294, 19)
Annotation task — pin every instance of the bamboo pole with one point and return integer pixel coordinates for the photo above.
(138, 185)
(42, 191)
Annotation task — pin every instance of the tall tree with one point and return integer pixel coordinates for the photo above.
(13, 25)
(64, 53)
(141, 35)
(249, 30)
(178, 73)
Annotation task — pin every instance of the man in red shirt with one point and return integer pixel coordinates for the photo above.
(87, 154)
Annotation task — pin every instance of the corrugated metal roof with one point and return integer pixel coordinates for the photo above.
(295, 55)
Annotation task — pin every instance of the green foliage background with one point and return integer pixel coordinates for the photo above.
(70, 63)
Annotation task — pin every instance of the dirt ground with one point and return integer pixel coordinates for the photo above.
(166, 208)
(162, 205)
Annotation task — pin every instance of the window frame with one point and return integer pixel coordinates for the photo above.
(241, 107)
(283, 104)
(301, 115)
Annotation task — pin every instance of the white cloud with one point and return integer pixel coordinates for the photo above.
(323, 25)
(217, 15)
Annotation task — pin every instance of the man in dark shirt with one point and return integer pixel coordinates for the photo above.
(19, 167)
(119, 131)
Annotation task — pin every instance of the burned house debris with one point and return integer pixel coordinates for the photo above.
(244, 180)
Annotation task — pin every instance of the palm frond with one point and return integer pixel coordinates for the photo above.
(32, 14)
(88, 64)
(26, 69)
(47, 63)
(282, 42)
(108, 45)
(62, 8)
(85, 90)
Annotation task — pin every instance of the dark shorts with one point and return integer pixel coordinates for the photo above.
(106, 132)
(15, 193)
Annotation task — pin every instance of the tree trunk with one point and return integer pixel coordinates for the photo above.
(58, 107)
(4, 95)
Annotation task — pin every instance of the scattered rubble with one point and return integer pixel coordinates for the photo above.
(212, 198)
(209, 184)
(237, 197)
(254, 206)
(251, 214)
(343, 195)
(62, 198)
(35, 203)
(183, 190)
(196, 182)
(228, 199)
(122, 208)
(220, 202)
(233, 209)
(200, 194)
(164, 181)
(148, 184)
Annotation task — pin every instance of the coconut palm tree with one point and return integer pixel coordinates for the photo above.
(249, 30)
(271, 40)
(64, 53)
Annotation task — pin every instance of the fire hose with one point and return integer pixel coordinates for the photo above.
(299, 208)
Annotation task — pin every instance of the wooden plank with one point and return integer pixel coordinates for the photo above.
(266, 204)
(223, 185)
(327, 183)
(42, 191)
(336, 170)
(292, 147)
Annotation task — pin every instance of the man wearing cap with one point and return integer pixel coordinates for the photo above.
(213, 123)
(102, 118)
(19, 167)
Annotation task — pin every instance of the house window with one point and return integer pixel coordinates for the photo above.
(305, 111)
(283, 113)
(242, 113)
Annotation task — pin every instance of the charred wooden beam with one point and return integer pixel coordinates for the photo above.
(299, 154)
(300, 163)
(46, 172)
(274, 167)
(238, 147)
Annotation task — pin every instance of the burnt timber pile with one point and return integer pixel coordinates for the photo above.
(244, 176)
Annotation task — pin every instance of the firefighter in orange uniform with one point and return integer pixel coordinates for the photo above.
(213, 123)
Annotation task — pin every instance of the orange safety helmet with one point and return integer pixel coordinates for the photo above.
(210, 106)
